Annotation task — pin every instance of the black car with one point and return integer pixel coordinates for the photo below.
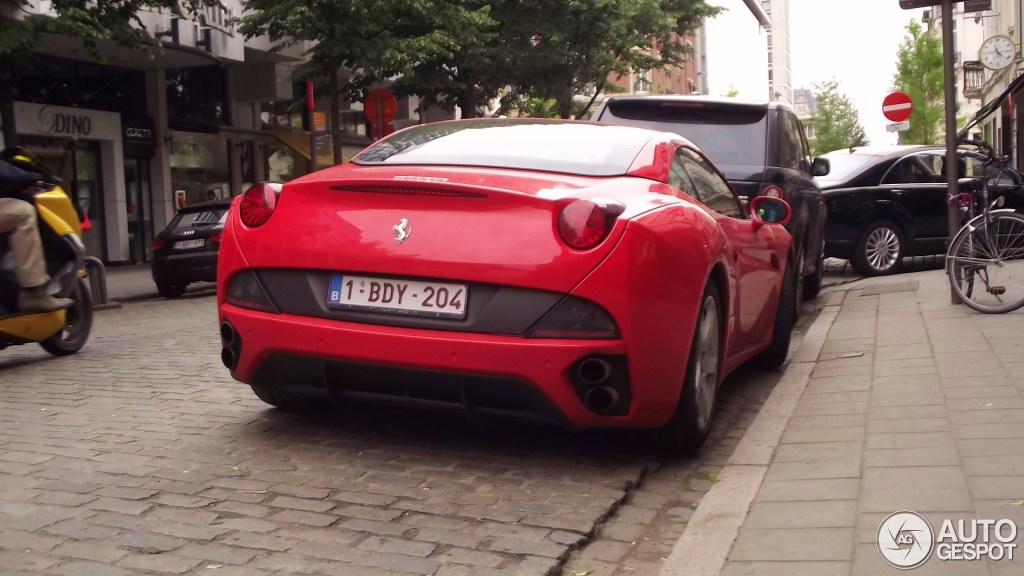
(888, 202)
(186, 251)
(760, 147)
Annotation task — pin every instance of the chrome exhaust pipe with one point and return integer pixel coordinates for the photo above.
(594, 371)
(227, 356)
(601, 399)
(227, 333)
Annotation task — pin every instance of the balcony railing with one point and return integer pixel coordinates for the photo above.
(974, 79)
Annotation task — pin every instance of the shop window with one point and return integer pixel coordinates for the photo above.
(197, 99)
(200, 170)
(280, 163)
(63, 82)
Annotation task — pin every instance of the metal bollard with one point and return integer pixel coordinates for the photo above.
(97, 279)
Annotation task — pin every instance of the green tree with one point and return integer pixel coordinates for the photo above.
(563, 48)
(919, 74)
(836, 121)
(374, 39)
(96, 23)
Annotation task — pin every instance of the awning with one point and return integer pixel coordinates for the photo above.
(991, 107)
(299, 141)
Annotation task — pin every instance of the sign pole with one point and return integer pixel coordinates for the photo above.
(952, 160)
(310, 107)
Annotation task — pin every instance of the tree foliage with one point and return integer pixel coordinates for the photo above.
(836, 121)
(375, 40)
(565, 48)
(919, 73)
(91, 22)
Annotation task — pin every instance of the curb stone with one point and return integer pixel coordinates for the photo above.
(704, 546)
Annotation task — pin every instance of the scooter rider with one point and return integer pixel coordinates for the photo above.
(18, 219)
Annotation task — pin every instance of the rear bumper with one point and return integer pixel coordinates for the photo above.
(506, 377)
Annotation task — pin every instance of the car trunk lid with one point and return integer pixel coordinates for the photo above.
(473, 225)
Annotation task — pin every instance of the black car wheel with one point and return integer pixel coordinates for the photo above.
(690, 424)
(879, 249)
(785, 316)
(171, 290)
(812, 282)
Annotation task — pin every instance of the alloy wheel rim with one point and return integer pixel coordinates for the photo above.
(706, 368)
(882, 249)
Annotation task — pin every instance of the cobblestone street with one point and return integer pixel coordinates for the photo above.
(141, 455)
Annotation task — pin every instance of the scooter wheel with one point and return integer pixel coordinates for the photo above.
(77, 324)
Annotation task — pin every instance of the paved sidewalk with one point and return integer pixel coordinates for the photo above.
(135, 282)
(898, 400)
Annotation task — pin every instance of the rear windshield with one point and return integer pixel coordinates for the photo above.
(727, 134)
(551, 146)
(197, 218)
(844, 166)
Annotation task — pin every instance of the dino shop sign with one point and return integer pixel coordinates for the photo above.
(66, 122)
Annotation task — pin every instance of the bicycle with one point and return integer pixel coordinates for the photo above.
(985, 260)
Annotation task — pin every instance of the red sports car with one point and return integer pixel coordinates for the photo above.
(553, 271)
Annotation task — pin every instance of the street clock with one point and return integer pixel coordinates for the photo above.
(997, 52)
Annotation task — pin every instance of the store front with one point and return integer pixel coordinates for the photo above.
(139, 145)
(84, 148)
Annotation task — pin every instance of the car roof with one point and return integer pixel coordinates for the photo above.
(214, 205)
(883, 151)
(719, 101)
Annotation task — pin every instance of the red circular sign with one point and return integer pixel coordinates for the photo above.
(897, 106)
(380, 107)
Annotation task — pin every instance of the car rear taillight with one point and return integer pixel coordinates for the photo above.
(258, 204)
(159, 243)
(772, 191)
(583, 224)
(216, 238)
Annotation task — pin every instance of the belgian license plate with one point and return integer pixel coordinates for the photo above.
(413, 297)
(183, 244)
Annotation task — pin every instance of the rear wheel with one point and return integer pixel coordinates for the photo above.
(77, 323)
(782, 332)
(171, 290)
(986, 264)
(690, 424)
(879, 249)
(812, 282)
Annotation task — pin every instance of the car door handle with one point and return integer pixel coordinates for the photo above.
(898, 192)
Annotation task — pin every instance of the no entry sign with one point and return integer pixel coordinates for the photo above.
(897, 106)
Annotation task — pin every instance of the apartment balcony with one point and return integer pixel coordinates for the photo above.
(974, 79)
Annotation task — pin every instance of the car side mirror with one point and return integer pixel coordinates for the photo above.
(768, 210)
(821, 167)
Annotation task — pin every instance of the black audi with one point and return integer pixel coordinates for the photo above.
(186, 250)
(888, 202)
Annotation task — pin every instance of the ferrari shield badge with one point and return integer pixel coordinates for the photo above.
(402, 230)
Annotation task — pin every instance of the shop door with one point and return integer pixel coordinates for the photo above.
(77, 165)
(140, 209)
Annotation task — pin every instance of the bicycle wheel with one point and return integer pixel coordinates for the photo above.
(986, 263)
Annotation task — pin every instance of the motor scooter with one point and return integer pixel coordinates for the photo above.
(61, 332)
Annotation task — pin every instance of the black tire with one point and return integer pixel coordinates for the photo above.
(691, 422)
(782, 332)
(77, 323)
(813, 281)
(171, 290)
(879, 250)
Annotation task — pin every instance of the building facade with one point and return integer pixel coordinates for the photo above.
(203, 115)
(780, 68)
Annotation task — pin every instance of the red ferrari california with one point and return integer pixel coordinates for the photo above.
(551, 271)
